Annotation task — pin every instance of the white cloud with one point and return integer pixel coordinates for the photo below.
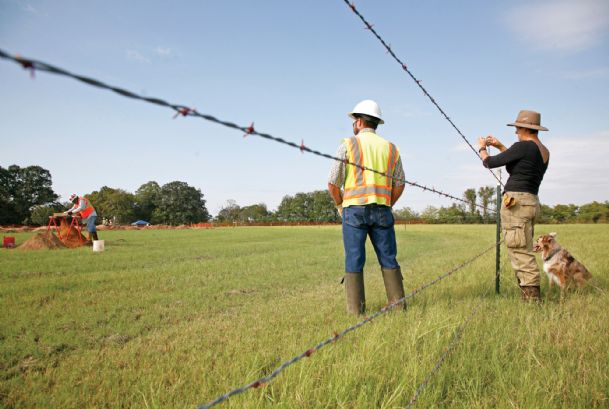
(578, 169)
(30, 9)
(463, 147)
(151, 55)
(407, 112)
(136, 56)
(163, 52)
(592, 74)
(563, 25)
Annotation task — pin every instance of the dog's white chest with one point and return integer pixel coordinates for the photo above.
(551, 276)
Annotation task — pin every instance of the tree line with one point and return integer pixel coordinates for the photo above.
(27, 197)
(469, 212)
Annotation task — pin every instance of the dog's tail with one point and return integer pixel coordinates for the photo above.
(597, 288)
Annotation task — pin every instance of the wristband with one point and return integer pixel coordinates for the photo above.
(481, 149)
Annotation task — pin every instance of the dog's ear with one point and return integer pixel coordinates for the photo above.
(553, 234)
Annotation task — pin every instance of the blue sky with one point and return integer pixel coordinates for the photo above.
(296, 68)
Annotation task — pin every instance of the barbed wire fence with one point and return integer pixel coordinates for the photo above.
(182, 110)
(338, 335)
(405, 68)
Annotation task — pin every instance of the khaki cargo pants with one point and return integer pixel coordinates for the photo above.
(518, 223)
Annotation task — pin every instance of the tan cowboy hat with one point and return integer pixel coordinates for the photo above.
(529, 119)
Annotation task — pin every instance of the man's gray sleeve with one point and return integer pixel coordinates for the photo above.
(398, 174)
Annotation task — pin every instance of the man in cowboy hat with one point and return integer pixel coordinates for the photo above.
(526, 161)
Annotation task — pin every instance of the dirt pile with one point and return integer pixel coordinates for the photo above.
(42, 241)
(70, 237)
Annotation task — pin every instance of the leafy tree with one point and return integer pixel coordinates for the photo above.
(455, 214)
(290, 209)
(254, 213)
(594, 212)
(179, 203)
(146, 197)
(430, 214)
(470, 196)
(229, 212)
(565, 213)
(40, 214)
(232, 212)
(21, 189)
(315, 206)
(115, 204)
(323, 208)
(546, 215)
(7, 210)
(405, 213)
(486, 194)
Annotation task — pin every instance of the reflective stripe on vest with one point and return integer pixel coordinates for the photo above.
(364, 187)
(86, 212)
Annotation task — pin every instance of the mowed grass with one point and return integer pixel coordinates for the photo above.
(172, 319)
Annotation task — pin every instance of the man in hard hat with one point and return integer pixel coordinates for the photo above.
(365, 202)
(83, 208)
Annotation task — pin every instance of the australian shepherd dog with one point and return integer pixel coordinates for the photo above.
(559, 264)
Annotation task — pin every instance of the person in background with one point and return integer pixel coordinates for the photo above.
(365, 204)
(82, 207)
(526, 161)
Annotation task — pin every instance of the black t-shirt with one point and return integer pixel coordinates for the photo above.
(524, 163)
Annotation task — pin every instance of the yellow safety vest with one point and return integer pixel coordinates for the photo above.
(363, 187)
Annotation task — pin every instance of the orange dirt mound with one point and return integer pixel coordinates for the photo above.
(73, 238)
(42, 241)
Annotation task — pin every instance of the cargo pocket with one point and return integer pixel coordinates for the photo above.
(514, 235)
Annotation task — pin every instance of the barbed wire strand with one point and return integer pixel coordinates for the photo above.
(387, 46)
(182, 110)
(264, 380)
(449, 349)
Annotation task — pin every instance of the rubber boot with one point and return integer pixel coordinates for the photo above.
(94, 235)
(354, 288)
(531, 293)
(394, 286)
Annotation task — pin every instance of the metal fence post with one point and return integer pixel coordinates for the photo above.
(498, 237)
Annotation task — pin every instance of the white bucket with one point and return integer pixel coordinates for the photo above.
(98, 245)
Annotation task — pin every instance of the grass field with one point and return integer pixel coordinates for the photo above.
(172, 319)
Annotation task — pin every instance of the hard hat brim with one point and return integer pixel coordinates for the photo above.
(352, 116)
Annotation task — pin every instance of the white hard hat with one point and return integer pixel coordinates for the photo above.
(72, 197)
(368, 107)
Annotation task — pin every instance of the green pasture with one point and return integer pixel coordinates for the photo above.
(172, 319)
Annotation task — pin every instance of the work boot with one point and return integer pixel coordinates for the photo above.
(531, 293)
(94, 235)
(394, 286)
(354, 288)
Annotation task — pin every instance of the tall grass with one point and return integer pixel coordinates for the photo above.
(176, 318)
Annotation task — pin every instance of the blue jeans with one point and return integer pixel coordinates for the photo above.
(375, 221)
(91, 224)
